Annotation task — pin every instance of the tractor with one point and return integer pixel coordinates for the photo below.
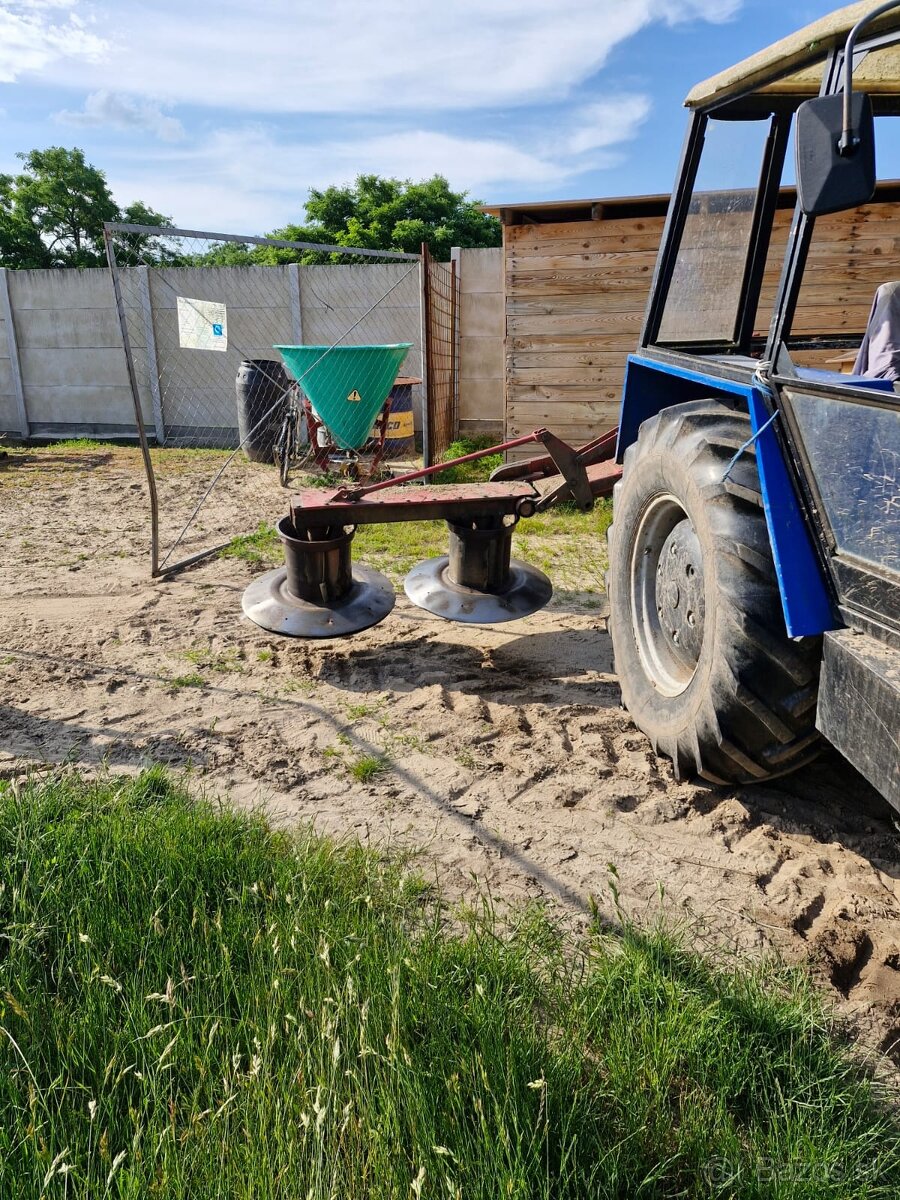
(754, 553)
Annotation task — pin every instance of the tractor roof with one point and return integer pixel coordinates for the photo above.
(793, 67)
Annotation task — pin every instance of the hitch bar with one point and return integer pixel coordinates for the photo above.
(579, 475)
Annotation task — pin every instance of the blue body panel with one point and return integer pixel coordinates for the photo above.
(651, 386)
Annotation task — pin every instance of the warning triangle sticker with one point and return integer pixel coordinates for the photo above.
(354, 397)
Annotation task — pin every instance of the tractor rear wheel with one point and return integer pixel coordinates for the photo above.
(705, 664)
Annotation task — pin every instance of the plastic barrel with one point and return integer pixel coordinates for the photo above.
(400, 439)
(260, 384)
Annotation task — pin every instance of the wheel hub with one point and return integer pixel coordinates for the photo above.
(667, 595)
(679, 590)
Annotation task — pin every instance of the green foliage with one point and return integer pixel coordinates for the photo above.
(192, 1004)
(52, 214)
(472, 472)
(263, 545)
(375, 214)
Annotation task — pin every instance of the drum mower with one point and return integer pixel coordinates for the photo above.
(319, 593)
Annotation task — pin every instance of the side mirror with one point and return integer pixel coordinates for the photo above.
(829, 180)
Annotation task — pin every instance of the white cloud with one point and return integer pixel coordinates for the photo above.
(36, 35)
(608, 122)
(105, 108)
(248, 180)
(350, 57)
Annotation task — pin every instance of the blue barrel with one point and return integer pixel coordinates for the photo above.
(400, 439)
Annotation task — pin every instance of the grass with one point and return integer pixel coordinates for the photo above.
(473, 472)
(194, 1005)
(368, 767)
(223, 663)
(261, 546)
(187, 681)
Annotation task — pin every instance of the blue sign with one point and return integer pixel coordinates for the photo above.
(217, 330)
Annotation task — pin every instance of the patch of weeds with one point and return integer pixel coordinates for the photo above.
(187, 681)
(263, 545)
(80, 444)
(358, 712)
(6, 659)
(265, 656)
(323, 479)
(466, 759)
(395, 549)
(409, 741)
(227, 661)
(305, 687)
(471, 472)
(368, 767)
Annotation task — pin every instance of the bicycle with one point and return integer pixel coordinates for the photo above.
(288, 443)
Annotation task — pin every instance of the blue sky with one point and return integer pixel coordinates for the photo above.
(223, 115)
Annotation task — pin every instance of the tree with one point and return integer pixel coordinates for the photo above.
(394, 214)
(52, 214)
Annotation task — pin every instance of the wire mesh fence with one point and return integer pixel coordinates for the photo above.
(202, 317)
(441, 308)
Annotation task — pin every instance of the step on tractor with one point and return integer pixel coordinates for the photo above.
(754, 553)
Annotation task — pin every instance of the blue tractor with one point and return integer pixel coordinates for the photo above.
(754, 556)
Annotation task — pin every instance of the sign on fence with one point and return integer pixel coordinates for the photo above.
(201, 324)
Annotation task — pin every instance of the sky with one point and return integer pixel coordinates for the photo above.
(223, 115)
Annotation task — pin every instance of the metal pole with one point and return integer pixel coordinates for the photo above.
(136, 397)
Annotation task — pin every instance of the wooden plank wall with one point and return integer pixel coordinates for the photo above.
(576, 293)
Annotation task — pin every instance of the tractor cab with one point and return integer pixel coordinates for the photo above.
(764, 333)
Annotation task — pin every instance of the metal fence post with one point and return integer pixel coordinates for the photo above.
(13, 346)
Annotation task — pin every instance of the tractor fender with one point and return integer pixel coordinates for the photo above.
(652, 385)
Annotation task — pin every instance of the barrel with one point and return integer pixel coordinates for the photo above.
(400, 441)
(260, 384)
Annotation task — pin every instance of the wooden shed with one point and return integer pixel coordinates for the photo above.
(576, 279)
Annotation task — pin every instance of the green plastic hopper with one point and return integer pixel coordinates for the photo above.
(346, 385)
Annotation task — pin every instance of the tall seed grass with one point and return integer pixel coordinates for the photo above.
(193, 1005)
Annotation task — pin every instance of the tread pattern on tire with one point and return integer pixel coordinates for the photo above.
(749, 714)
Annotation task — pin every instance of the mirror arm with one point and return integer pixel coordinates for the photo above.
(849, 140)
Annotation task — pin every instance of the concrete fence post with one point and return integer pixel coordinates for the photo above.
(296, 313)
(15, 369)
(152, 361)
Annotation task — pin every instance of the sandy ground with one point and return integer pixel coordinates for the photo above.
(511, 762)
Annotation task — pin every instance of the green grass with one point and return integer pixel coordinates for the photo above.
(194, 1005)
(81, 443)
(187, 681)
(261, 546)
(225, 662)
(368, 767)
(473, 472)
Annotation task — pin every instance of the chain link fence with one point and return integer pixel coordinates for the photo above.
(198, 309)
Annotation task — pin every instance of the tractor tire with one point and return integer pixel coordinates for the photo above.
(705, 664)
